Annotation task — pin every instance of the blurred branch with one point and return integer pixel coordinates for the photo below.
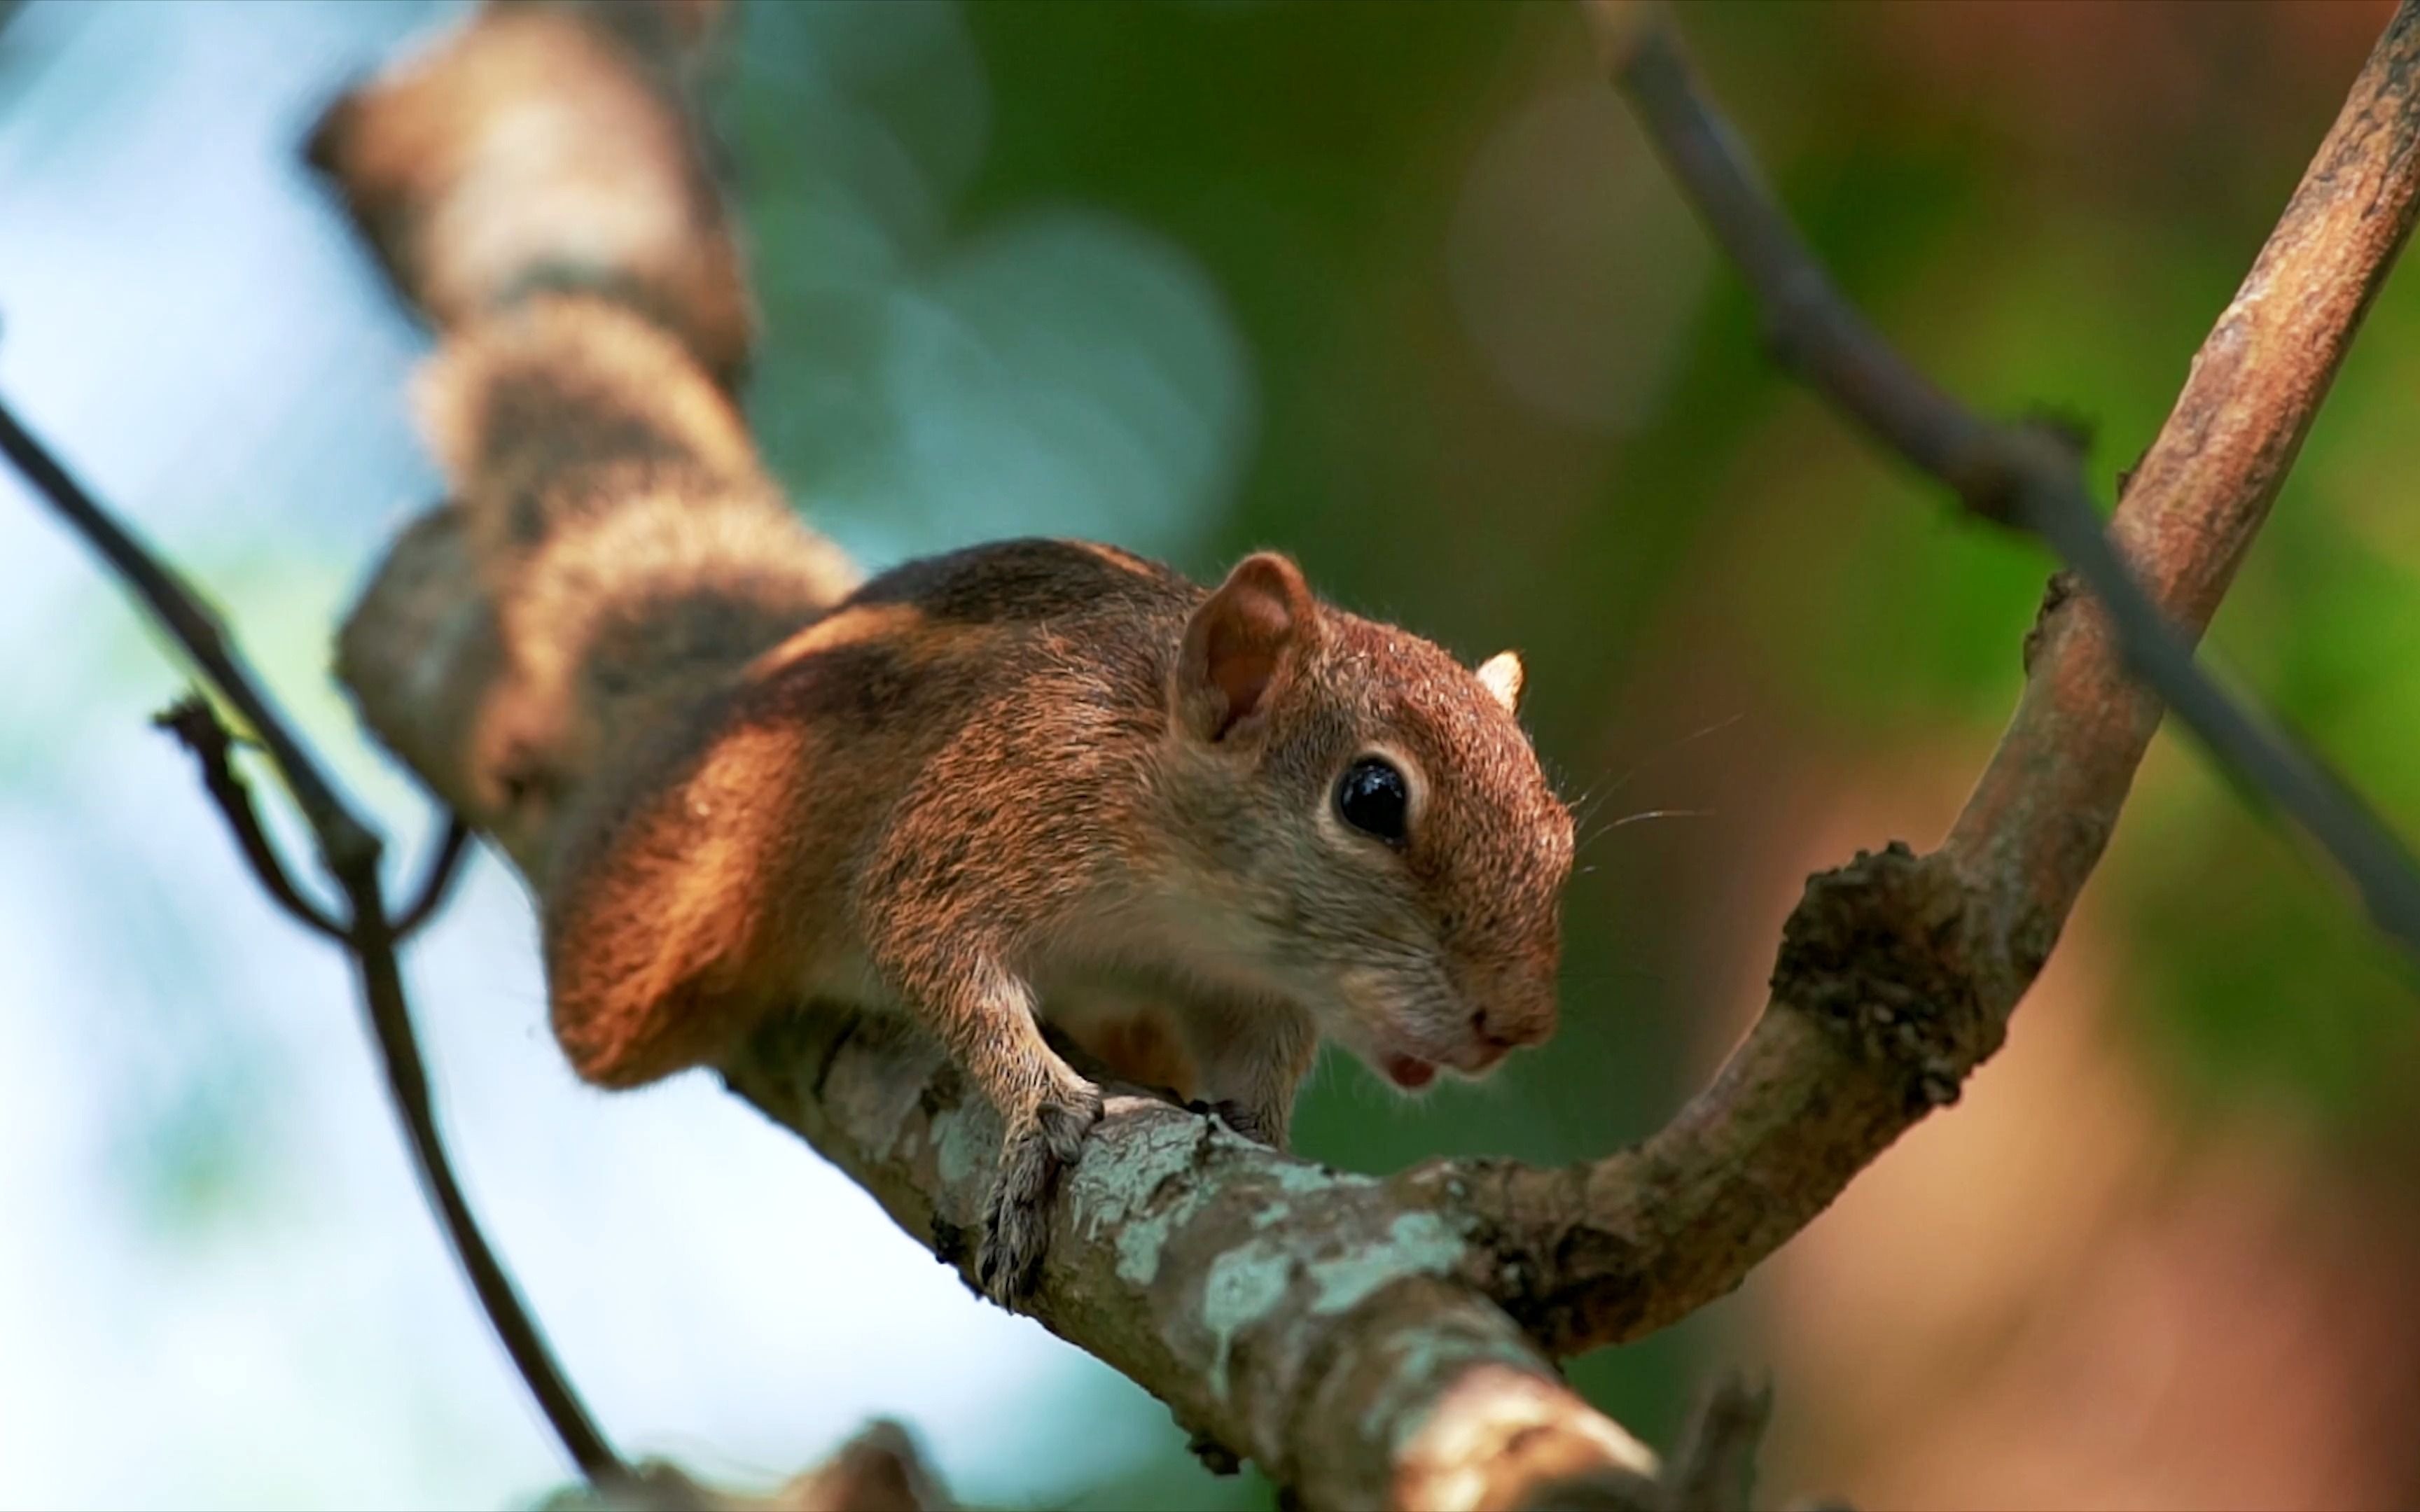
(346, 846)
(197, 729)
(349, 851)
(2020, 476)
(1898, 973)
(437, 883)
(880, 1470)
(1714, 1467)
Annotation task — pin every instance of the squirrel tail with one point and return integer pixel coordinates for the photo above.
(547, 146)
(612, 550)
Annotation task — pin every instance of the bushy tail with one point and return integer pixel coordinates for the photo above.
(546, 145)
(533, 184)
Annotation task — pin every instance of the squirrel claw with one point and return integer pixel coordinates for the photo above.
(1018, 1231)
(1011, 1257)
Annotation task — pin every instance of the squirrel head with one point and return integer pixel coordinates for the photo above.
(1380, 842)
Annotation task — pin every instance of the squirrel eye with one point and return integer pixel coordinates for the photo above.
(1374, 798)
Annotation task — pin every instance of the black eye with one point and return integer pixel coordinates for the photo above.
(1374, 798)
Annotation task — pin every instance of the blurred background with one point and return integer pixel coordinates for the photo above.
(1399, 289)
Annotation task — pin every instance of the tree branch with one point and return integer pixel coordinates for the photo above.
(345, 843)
(197, 728)
(1715, 1466)
(350, 851)
(1898, 973)
(1309, 1318)
(436, 882)
(880, 1470)
(2354, 209)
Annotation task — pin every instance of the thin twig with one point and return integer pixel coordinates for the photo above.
(350, 851)
(344, 840)
(407, 1076)
(436, 882)
(2007, 474)
(198, 730)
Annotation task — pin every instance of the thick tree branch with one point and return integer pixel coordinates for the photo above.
(1898, 973)
(1323, 1323)
(1306, 1318)
(2353, 214)
(350, 851)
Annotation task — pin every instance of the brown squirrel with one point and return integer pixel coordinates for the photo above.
(1199, 831)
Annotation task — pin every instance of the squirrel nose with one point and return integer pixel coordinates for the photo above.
(1510, 1005)
(1504, 1025)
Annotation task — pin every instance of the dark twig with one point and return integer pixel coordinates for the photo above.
(197, 729)
(345, 842)
(350, 851)
(381, 980)
(2011, 475)
(437, 883)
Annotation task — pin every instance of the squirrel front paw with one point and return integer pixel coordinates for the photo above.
(1036, 1149)
(1261, 1125)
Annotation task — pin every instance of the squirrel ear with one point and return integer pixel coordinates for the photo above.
(1500, 674)
(1244, 646)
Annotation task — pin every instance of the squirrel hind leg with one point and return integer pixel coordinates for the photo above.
(671, 925)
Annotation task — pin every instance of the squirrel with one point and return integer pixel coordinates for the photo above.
(1198, 830)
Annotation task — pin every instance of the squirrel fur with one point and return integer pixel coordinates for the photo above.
(1028, 779)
